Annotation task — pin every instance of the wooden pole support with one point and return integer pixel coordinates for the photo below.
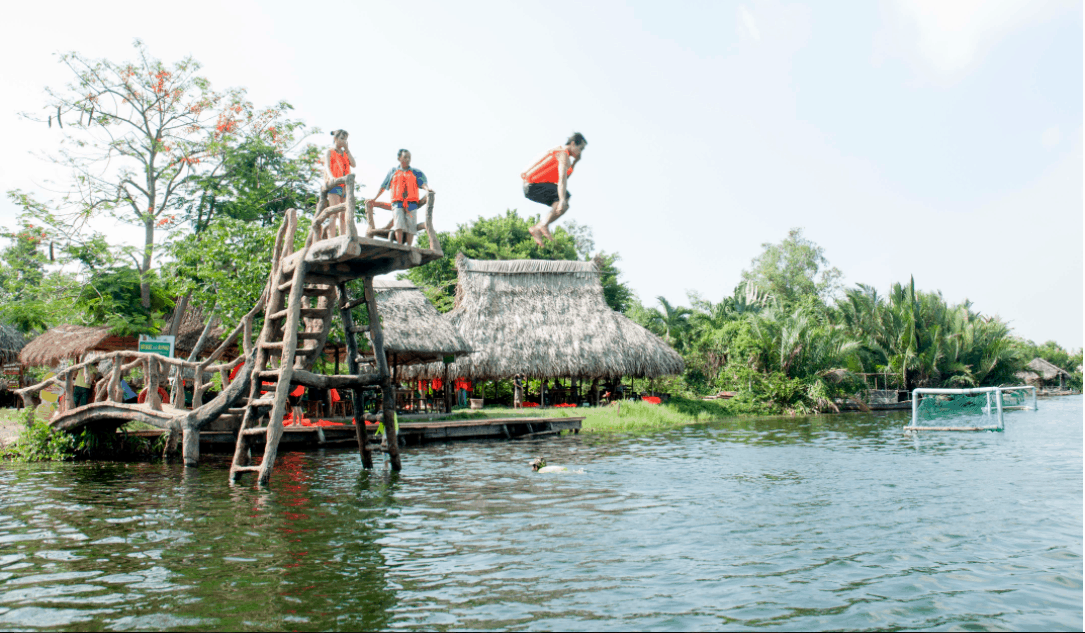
(153, 399)
(360, 434)
(190, 447)
(376, 337)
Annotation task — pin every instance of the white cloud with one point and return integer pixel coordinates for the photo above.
(749, 23)
(951, 35)
(1051, 137)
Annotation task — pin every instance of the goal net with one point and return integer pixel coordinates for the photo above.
(1022, 397)
(977, 408)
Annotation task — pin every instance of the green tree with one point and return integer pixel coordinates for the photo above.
(22, 279)
(793, 270)
(137, 134)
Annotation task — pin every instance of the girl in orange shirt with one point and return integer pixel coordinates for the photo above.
(337, 164)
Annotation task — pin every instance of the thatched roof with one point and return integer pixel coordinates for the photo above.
(71, 342)
(12, 342)
(414, 331)
(546, 319)
(1039, 369)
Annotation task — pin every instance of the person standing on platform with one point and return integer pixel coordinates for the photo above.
(337, 164)
(546, 182)
(404, 182)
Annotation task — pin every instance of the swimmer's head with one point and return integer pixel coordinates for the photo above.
(538, 463)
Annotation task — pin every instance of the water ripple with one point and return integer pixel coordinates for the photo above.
(833, 522)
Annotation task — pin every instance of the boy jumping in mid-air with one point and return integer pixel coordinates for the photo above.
(546, 182)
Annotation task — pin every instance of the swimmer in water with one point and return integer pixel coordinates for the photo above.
(539, 465)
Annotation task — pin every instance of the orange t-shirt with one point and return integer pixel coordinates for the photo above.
(546, 168)
(339, 165)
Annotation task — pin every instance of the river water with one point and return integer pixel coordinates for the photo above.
(830, 522)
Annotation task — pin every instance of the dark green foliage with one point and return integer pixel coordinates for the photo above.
(254, 182)
(111, 296)
(40, 443)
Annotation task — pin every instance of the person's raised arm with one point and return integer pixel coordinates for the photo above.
(563, 175)
(350, 157)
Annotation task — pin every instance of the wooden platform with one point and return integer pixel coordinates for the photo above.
(412, 433)
(346, 258)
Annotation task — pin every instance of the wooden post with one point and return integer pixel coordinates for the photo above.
(595, 392)
(115, 380)
(352, 228)
(376, 337)
(360, 434)
(190, 447)
(179, 389)
(69, 392)
(197, 390)
(153, 398)
(171, 441)
(449, 391)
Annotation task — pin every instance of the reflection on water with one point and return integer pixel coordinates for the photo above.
(803, 523)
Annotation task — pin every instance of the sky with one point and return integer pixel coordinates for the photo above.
(940, 140)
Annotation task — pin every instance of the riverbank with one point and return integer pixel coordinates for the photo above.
(627, 416)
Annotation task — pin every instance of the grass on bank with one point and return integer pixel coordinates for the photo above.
(630, 416)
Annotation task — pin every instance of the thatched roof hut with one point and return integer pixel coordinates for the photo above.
(12, 342)
(546, 319)
(414, 332)
(65, 342)
(72, 342)
(1040, 371)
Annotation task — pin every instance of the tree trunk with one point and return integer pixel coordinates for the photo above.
(148, 251)
(179, 313)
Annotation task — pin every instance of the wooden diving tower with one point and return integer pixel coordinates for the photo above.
(305, 288)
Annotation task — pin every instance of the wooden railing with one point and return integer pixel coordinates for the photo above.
(154, 364)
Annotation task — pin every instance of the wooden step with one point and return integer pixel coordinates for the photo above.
(255, 431)
(359, 329)
(245, 469)
(262, 402)
(307, 313)
(313, 291)
(310, 336)
(269, 374)
(271, 345)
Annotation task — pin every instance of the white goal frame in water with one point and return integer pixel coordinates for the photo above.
(994, 405)
(1022, 388)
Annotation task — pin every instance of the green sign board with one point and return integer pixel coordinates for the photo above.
(162, 345)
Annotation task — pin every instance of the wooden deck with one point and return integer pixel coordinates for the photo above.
(412, 433)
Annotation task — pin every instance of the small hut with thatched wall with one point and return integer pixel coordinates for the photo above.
(12, 342)
(1040, 372)
(72, 342)
(414, 332)
(546, 319)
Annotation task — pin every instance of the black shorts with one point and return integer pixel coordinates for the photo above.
(544, 193)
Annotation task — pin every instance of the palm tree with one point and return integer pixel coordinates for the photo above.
(671, 322)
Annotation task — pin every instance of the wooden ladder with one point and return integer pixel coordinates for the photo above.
(289, 307)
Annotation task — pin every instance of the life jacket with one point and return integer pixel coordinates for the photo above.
(546, 168)
(339, 164)
(404, 186)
